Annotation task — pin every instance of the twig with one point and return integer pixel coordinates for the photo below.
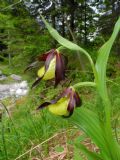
(75, 41)
(36, 149)
(3, 58)
(111, 81)
(11, 5)
(6, 109)
(41, 144)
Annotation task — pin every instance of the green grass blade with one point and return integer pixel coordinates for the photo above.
(77, 155)
(3, 141)
(89, 154)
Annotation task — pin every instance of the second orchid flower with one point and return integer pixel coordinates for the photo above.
(64, 104)
(54, 67)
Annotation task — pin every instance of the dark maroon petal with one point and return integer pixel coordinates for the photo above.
(28, 68)
(68, 92)
(60, 69)
(58, 97)
(36, 82)
(31, 66)
(77, 99)
(55, 100)
(68, 115)
(44, 56)
(48, 60)
(65, 93)
(45, 104)
(71, 105)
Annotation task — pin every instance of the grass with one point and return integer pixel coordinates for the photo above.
(26, 126)
(29, 128)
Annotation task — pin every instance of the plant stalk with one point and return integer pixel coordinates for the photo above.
(89, 58)
(81, 84)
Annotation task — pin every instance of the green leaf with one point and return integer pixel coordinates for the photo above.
(80, 138)
(77, 155)
(102, 59)
(89, 154)
(89, 122)
(64, 42)
(85, 151)
(59, 149)
(101, 65)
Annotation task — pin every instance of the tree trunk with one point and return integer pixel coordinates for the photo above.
(72, 16)
(85, 24)
(53, 16)
(63, 19)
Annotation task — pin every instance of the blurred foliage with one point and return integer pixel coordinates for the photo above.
(22, 36)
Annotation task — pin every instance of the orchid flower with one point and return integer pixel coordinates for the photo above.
(53, 68)
(65, 104)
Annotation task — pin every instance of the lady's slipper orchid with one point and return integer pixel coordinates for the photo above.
(54, 67)
(65, 104)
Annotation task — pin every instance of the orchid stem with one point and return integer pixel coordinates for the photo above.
(89, 58)
(81, 84)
